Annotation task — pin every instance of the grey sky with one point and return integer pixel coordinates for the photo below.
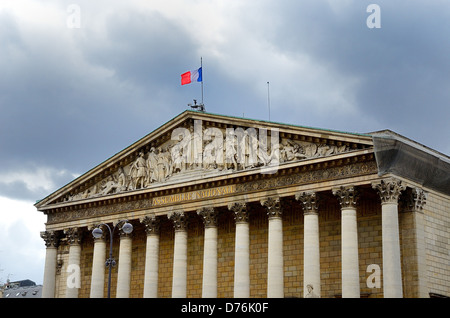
(72, 97)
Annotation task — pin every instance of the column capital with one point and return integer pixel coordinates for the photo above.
(414, 199)
(151, 223)
(240, 211)
(273, 206)
(347, 196)
(74, 235)
(51, 238)
(389, 189)
(309, 201)
(209, 215)
(179, 220)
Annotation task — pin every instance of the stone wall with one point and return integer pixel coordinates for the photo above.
(437, 240)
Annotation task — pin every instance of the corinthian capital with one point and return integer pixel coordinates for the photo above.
(179, 220)
(389, 189)
(273, 206)
(51, 238)
(414, 200)
(209, 215)
(73, 235)
(240, 211)
(347, 196)
(309, 201)
(151, 223)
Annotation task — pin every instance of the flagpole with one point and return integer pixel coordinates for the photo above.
(268, 98)
(201, 65)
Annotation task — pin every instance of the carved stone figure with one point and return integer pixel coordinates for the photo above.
(287, 151)
(230, 151)
(209, 154)
(160, 166)
(251, 154)
(122, 183)
(138, 172)
(263, 156)
(213, 149)
(196, 148)
(183, 149)
(152, 162)
(310, 150)
(299, 152)
(167, 162)
(178, 164)
(310, 293)
(109, 186)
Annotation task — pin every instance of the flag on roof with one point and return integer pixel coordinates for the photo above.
(191, 76)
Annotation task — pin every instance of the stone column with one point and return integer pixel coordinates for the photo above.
(51, 239)
(124, 268)
(389, 191)
(275, 270)
(179, 280)
(151, 256)
(347, 197)
(98, 267)
(311, 244)
(413, 243)
(209, 284)
(73, 269)
(242, 251)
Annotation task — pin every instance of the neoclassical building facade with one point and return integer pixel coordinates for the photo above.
(232, 207)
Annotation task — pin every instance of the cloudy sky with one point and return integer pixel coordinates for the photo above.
(81, 80)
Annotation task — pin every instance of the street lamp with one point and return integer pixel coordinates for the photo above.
(127, 228)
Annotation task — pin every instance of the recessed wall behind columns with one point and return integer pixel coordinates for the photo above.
(368, 213)
(369, 245)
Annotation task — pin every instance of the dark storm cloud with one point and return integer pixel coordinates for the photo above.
(402, 68)
(19, 190)
(142, 47)
(61, 102)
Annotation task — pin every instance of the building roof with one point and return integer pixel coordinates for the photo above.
(23, 292)
(22, 289)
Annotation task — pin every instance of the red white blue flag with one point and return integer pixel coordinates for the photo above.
(191, 76)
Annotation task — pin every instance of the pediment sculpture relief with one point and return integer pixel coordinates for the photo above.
(198, 151)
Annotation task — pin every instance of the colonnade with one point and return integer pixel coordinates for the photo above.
(388, 189)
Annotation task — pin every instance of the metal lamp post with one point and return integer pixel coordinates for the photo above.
(127, 228)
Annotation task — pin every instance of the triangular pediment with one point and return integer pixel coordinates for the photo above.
(196, 146)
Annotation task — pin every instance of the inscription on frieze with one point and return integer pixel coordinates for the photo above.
(194, 195)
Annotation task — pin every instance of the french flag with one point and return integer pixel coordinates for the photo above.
(191, 76)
